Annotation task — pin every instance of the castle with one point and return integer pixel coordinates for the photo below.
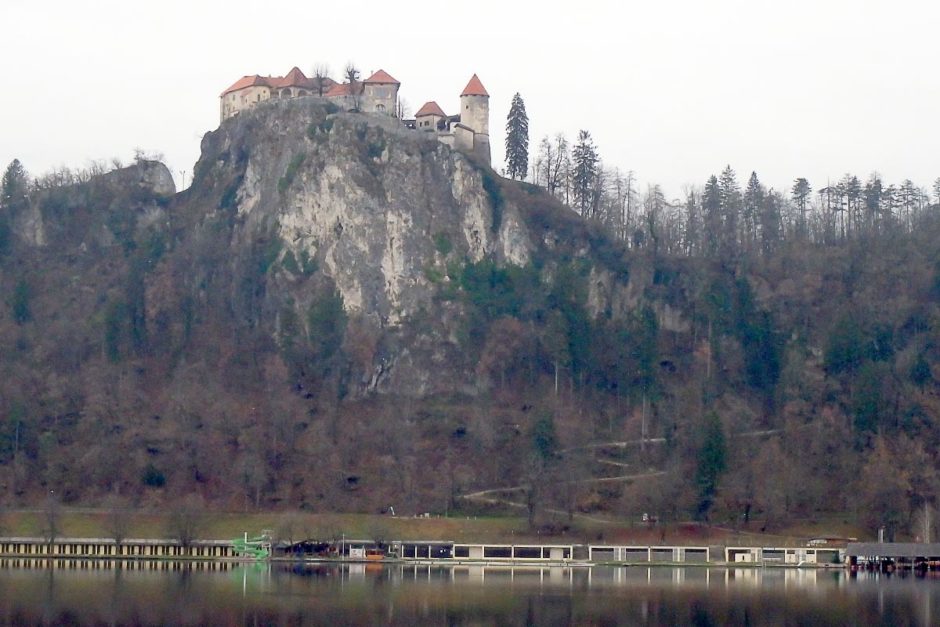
(468, 130)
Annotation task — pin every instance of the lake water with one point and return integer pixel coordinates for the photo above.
(359, 594)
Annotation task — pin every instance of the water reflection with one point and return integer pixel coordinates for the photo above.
(116, 593)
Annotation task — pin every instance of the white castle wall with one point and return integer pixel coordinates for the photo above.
(475, 113)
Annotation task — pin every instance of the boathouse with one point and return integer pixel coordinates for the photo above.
(901, 554)
(650, 554)
(793, 556)
(515, 552)
(109, 548)
(423, 550)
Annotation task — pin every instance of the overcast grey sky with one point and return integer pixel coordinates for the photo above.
(673, 89)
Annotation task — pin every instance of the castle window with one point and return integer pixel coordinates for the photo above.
(380, 108)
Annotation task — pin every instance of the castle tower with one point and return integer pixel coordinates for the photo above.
(380, 94)
(475, 114)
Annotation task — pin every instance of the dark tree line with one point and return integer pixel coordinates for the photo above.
(720, 219)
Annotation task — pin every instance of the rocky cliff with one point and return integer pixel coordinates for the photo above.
(386, 216)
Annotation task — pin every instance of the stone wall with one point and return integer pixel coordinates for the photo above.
(475, 113)
(242, 99)
(380, 98)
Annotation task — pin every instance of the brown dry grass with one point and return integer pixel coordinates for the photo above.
(88, 523)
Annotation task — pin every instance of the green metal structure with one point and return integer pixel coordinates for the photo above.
(258, 548)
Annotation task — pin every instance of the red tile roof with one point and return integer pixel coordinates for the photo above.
(382, 77)
(327, 84)
(338, 89)
(246, 81)
(430, 108)
(474, 88)
(295, 78)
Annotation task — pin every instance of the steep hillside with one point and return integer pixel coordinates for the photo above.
(341, 314)
(385, 220)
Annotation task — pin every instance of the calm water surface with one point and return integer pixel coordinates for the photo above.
(281, 594)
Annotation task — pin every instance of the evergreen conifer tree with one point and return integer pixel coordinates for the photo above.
(753, 202)
(731, 211)
(711, 210)
(871, 198)
(14, 186)
(712, 462)
(517, 139)
(770, 221)
(800, 193)
(20, 302)
(584, 156)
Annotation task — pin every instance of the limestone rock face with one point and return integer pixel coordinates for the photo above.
(334, 245)
(379, 210)
(336, 249)
(296, 205)
(152, 177)
(87, 212)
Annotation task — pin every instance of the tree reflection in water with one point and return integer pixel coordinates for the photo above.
(363, 594)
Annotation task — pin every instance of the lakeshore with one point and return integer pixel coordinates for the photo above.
(89, 534)
(36, 550)
(885, 557)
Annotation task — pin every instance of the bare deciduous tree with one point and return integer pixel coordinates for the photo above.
(379, 533)
(185, 520)
(352, 75)
(291, 528)
(321, 78)
(404, 109)
(52, 517)
(118, 518)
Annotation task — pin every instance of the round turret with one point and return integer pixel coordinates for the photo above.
(475, 107)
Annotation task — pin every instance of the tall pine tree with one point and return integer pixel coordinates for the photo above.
(800, 193)
(712, 462)
(711, 211)
(517, 139)
(584, 156)
(770, 221)
(731, 210)
(14, 186)
(753, 203)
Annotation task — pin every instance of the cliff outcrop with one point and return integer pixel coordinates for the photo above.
(387, 217)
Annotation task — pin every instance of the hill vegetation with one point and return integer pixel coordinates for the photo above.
(159, 345)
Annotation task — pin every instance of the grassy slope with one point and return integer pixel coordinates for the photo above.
(218, 525)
